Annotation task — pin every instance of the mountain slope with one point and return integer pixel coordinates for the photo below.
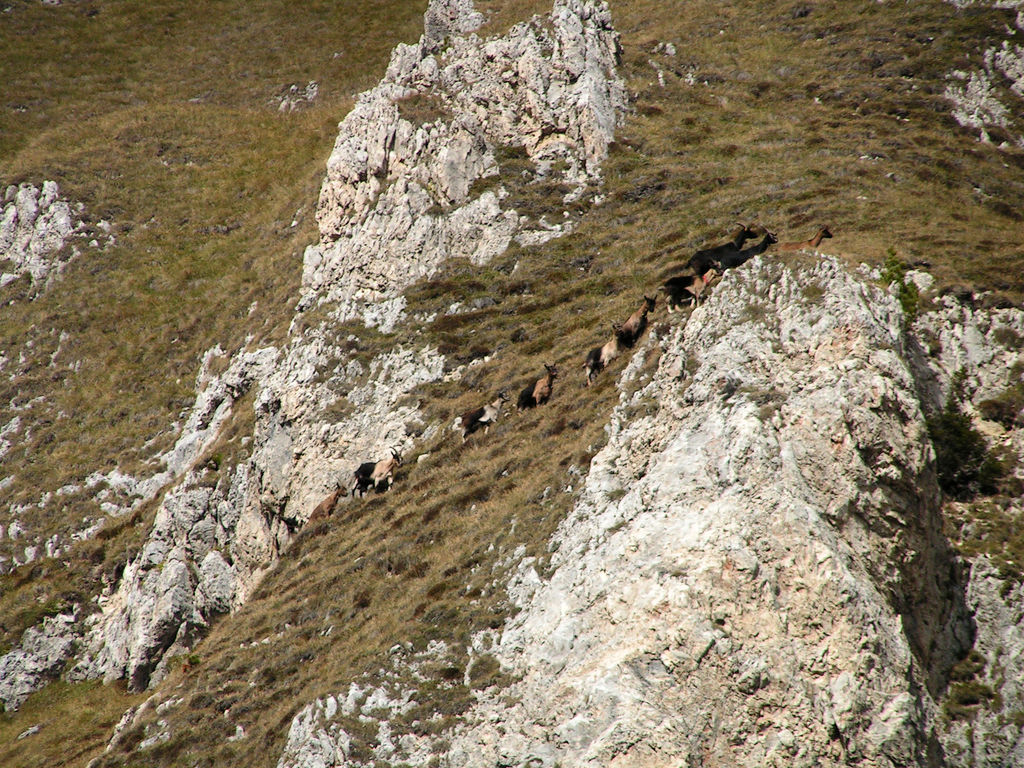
(774, 113)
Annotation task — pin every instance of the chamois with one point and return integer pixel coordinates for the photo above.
(705, 258)
(370, 474)
(599, 357)
(539, 392)
(634, 327)
(484, 416)
(325, 508)
(686, 287)
(811, 244)
(741, 257)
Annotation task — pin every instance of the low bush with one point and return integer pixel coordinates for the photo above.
(963, 461)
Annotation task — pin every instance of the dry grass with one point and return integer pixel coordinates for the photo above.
(88, 711)
(765, 115)
(163, 121)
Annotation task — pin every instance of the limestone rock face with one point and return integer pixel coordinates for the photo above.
(398, 198)
(989, 740)
(754, 572)
(770, 587)
(210, 545)
(396, 203)
(39, 657)
(34, 226)
(970, 343)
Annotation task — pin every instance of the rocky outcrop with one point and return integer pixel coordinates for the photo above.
(35, 225)
(766, 530)
(993, 736)
(396, 203)
(210, 544)
(775, 544)
(399, 194)
(40, 657)
(990, 96)
(976, 355)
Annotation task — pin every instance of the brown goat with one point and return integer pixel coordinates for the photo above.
(325, 508)
(810, 245)
(634, 327)
(599, 357)
(686, 288)
(538, 392)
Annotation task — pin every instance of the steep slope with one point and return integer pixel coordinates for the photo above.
(414, 622)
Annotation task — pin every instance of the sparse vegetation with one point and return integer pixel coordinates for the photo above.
(201, 147)
(422, 108)
(992, 527)
(1007, 408)
(967, 693)
(963, 461)
(894, 273)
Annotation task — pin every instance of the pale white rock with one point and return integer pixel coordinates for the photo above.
(39, 657)
(296, 460)
(216, 587)
(923, 281)
(981, 345)
(35, 225)
(396, 201)
(998, 610)
(764, 508)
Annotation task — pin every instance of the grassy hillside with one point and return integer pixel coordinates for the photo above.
(163, 119)
(790, 113)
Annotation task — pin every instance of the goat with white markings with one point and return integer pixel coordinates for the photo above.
(599, 357)
(634, 327)
(371, 474)
(539, 392)
(810, 245)
(484, 416)
(689, 288)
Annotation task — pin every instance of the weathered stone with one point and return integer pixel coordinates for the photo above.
(35, 224)
(39, 657)
(396, 201)
(769, 453)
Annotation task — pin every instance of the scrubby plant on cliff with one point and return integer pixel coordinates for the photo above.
(963, 461)
(1007, 408)
(893, 272)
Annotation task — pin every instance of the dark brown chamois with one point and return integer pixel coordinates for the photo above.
(370, 474)
(706, 258)
(484, 416)
(810, 245)
(689, 288)
(539, 392)
(635, 326)
(742, 257)
(599, 357)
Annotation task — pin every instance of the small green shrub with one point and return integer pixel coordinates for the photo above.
(893, 271)
(963, 461)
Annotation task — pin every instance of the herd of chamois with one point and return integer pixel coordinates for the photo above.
(706, 265)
